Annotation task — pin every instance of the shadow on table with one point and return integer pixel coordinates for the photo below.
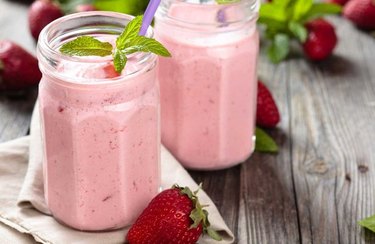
(367, 235)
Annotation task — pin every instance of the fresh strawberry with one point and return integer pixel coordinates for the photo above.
(41, 13)
(109, 71)
(85, 7)
(173, 216)
(321, 39)
(339, 2)
(361, 13)
(267, 113)
(18, 68)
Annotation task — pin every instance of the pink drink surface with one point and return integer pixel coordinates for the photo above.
(208, 96)
(102, 146)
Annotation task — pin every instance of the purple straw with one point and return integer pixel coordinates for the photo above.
(148, 16)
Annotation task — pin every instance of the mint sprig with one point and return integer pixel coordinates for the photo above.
(285, 20)
(127, 43)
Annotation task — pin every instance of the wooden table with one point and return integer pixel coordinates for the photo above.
(322, 181)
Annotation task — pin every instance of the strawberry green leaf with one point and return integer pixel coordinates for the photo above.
(283, 3)
(368, 223)
(264, 143)
(321, 9)
(272, 11)
(86, 46)
(298, 30)
(132, 7)
(145, 44)
(119, 60)
(130, 32)
(301, 7)
(279, 48)
(214, 235)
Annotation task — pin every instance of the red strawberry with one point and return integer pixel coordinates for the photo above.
(18, 68)
(267, 113)
(339, 2)
(361, 13)
(41, 13)
(85, 7)
(321, 39)
(173, 216)
(109, 71)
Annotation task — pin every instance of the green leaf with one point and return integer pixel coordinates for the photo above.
(301, 7)
(298, 30)
(86, 46)
(145, 44)
(368, 223)
(214, 235)
(119, 60)
(321, 9)
(279, 48)
(264, 143)
(132, 7)
(272, 11)
(130, 32)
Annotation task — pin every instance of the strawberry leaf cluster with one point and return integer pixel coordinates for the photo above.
(284, 20)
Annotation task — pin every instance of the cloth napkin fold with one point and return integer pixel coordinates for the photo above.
(22, 204)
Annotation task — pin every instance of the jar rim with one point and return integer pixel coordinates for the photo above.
(251, 5)
(45, 49)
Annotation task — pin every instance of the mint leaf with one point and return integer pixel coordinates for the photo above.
(119, 60)
(86, 46)
(321, 9)
(264, 143)
(127, 43)
(279, 48)
(368, 223)
(145, 44)
(130, 32)
(298, 30)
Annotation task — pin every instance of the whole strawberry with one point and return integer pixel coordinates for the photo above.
(321, 40)
(18, 68)
(361, 13)
(339, 2)
(41, 13)
(173, 216)
(268, 115)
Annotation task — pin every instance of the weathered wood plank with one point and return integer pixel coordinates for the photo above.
(15, 112)
(333, 130)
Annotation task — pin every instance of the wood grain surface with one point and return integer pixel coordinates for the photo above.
(322, 181)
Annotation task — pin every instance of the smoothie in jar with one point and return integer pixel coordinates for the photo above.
(100, 129)
(209, 86)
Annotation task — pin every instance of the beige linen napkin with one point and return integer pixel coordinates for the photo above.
(23, 156)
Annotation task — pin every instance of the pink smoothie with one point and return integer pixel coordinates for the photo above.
(208, 92)
(102, 143)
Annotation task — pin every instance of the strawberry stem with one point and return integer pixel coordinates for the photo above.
(199, 215)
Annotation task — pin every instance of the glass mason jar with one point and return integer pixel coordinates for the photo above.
(100, 131)
(209, 86)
